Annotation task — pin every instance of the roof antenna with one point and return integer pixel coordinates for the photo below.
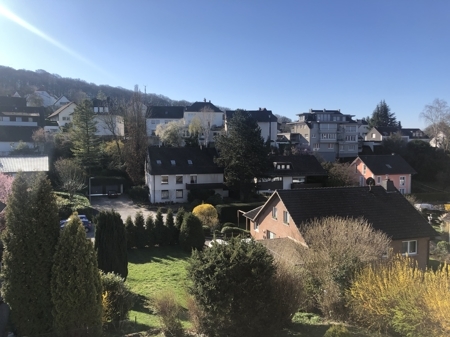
(370, 182)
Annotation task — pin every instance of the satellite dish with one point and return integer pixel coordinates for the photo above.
(370, 181)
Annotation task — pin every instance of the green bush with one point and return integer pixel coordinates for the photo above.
(214, 200)
(191, 233)
(234, 231)
(117, 298)
(432, 197)
(337, 331)
(228, 212)
(206, 230)
(79, 204)
(199, 194)
(139, 193)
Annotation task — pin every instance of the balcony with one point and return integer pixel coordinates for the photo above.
(206, 186)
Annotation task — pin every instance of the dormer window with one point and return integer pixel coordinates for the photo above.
(172, 162)
(158, 162)
(189, 162)
(388, 166)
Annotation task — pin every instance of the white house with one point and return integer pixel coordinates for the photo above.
(61, 101)
(170, 173)
(63, 115)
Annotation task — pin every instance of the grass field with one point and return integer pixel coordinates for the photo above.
(151, 272)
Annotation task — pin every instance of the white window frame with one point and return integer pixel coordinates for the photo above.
(164, 180)
(286, 217)
(177, 180)
(402, 181)
(402, 190)
(256, 226)
(317, 146)
(378, 180)
(177, 194)
(330, 146)
(408, 247)
(274, 213)
(164, 194)
(364, 168)
(193, 179)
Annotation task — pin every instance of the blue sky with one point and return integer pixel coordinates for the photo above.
(287, 56)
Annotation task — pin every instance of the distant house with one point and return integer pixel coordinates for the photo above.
(170, 173)
(12, 165)
(286, 211)
(380, 133)
(379, 167)
(44, 96)
(63, 115)
(61, 101)
(290, 172)
(162, 115)
(267, 122)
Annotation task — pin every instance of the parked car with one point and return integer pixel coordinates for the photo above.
(84, 220)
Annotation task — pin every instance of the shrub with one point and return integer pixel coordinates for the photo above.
(338, 247)
(160, 232)
(442, 248)
(171, 231)
(230, 283)
(168, 310)
(179, 217)
(139, 193)
(215, 200)
(139, 223)
(195, 315)
(117, 298)
(199, 194)
(399, 296)
(150, 230)
(234, 231)
(207, 215)
(191, 233)
(337, 331)
(131, 233)
(228, 212)
(78, 203)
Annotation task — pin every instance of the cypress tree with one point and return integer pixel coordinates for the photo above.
(31, 237)
(139, 224)
(76, 285)
(131, 233)
(170, 227)
(159, 228)
(150, 231)
(179, 217)
(111, 243)
(191, 233)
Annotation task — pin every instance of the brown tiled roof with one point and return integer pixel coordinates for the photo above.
(389, 212)
(387, 164)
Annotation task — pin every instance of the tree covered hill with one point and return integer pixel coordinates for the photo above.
(27, 81)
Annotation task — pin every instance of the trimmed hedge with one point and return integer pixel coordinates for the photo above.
(234, 231)
(79, 204)
(139, 193)
(228, 212)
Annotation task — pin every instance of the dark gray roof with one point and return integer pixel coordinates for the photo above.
(258, 115)
(202, 160)
(199, 106)
(170, 112)
(387, 164)
(16, 133)
(2, 206)
(13, 101)
(387, 130)
(251, 214)
(301, 165)
(389, 212)
(414, 134)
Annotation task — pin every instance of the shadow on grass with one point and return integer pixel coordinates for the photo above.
(306, 330)
(142, 304)
(124, 328)
(156, 254)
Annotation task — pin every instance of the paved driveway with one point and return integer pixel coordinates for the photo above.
(122, 205)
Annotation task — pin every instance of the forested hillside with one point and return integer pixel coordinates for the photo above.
(26, 82)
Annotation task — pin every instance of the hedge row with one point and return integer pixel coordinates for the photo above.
(432, 197)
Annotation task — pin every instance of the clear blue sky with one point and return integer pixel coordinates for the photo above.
(287, 56)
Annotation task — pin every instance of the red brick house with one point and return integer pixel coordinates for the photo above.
(383, 207)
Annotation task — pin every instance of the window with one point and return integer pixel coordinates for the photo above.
(298, 179)
(351, 147)
(378, 180)
(331, 146)
(30, 119)
(402, 190)
(350, 129)
(164, 194)
(328, 136)
(274, 213)
(95, 108)
(158, 162)
(313, 135)
(18, 119)
(194, 179)
(153, 121)
(189, 162)
(316, 146)
(402, 181)
(373, 135)
(164, 179)
(409, 247)
(364, 169)
(256, 226)
(179, 179)
(179, 194)
(342, 148)
(350, 138)
(271, 235)
(286, 217)
(100, 109)
(306, 135)
(172, 162)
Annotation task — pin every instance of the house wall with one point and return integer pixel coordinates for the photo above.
(276, 226)
(156, 186)
(24, 122)
(7, 147)
(103, 129)
(359, 169)
(152, 123)
(268, 129)
(65, 116)
(214, 118)
(423, 249)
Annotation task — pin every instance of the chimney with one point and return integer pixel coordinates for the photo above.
(388, 185)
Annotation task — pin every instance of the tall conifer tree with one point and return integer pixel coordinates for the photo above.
(76, 285)
(111, 243)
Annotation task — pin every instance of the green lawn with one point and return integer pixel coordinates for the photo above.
(151, 272)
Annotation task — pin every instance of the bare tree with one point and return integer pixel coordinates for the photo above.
(437, 117)
(202, 124)
(340, 174)
(71, 176)
(136, 142)
(42, 138)
(113, 121)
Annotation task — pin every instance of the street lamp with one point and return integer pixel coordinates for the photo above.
(90, 188)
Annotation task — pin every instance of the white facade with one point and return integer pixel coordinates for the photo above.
(63, 115)
(61, 102)
(172, 188)
(152, 123)
(268, 130)
(106, 122)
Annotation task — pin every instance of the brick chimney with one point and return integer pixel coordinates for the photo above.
(388, 185)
